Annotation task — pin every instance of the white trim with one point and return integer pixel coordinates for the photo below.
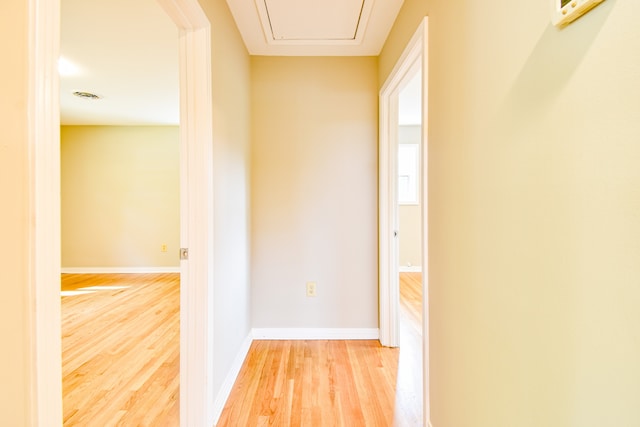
(44, 204)
(411, 269)
(388, 197)
(388, 223)
(415, 55)
(196, 213)
(186, 14)
(315, 333)
(426, 396)
(230, 380)
(118, 270)
(196, 313)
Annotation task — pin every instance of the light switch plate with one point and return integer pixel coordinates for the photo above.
(563, 12)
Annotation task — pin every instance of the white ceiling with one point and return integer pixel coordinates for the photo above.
(124, 51)
(127, 51)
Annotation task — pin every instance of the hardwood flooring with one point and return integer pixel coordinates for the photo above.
(314, 383)
(120, 349)
(409, 388)
(333, 383)
(411, 298)
(121, 364)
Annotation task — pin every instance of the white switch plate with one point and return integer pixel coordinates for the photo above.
(564, 12)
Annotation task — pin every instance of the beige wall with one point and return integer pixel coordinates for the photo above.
(120, 194)
(534, 219)
(410, 216)
(14, 216)
(314, 192)
(533, 192)
(410, 251)
(231, 100)
(409, 17)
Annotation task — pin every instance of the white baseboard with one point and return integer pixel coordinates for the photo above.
(316, 333)
(230, 379)
(117, 270)
(412, 269)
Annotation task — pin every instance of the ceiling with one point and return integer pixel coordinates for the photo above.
(314, 27)
(126, 52)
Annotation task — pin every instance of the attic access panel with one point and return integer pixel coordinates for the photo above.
(313, 20)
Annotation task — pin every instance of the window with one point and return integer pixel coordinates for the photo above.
(408, 174)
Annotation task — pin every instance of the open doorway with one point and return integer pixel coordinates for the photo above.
(120, 213)
(403, 176)
(195, 154)
(409, 206)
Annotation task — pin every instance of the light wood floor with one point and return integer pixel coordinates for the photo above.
(121, 364)
(314, 383)
(333, 383)
(120, 349)
(409, 386)
(411, 298)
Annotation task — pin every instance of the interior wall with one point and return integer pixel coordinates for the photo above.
(410, 216)
(534, 218)
(314, 192)
(231, 147)
(14, 215)
(410, 16)
(120, 195)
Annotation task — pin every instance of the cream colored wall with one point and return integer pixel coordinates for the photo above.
(409, 17)
(409, 216)
(120, 194)
(410, 252)
(314, 192)
(534, 219)
(14, 216)
(231, 146)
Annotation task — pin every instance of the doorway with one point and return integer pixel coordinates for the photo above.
(120, 204)
(413, 61)
(409, 208)
(195, 210)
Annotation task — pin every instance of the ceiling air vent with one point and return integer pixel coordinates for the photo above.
(86, 95)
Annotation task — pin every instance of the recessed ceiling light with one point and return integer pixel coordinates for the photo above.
(86, 95)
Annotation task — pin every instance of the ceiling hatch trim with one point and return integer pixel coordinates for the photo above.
(328, 22)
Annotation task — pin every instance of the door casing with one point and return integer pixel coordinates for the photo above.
(196, 184)
(415, 54)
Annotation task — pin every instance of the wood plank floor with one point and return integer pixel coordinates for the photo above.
(333, 383)
(411, 298)
(120, 349)
(314, 383)
(409, 388)
(121, 364)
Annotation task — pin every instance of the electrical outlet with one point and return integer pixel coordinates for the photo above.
(163, 247)
(311, 289)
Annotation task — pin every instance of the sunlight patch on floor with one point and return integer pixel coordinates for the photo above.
(90, 290)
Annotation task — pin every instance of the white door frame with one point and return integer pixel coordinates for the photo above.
(416, 53)
(43, 311)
